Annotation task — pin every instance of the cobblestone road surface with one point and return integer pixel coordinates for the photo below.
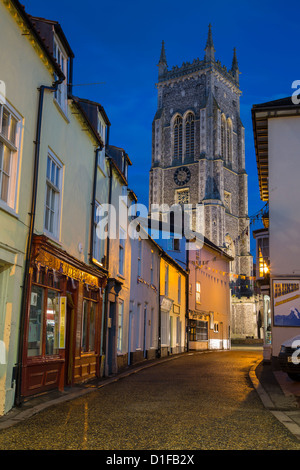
(194, 402)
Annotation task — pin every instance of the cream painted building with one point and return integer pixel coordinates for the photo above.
(117, 302)
(49, 150)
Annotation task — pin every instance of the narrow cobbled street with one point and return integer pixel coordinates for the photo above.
(193, 402)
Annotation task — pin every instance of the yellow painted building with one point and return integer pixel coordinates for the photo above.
(173, 306)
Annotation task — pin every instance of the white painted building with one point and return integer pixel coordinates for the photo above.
(276, 127)
(144, 300)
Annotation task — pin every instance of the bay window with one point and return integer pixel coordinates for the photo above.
(44, 315)
(89, 314)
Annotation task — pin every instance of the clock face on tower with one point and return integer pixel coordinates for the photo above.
(182, 175)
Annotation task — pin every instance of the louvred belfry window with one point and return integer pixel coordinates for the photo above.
(189, 136)
(178, 138)
(223, 142)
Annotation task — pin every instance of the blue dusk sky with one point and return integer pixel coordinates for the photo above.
(118, 43)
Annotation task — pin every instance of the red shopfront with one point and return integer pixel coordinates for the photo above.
(63, 322)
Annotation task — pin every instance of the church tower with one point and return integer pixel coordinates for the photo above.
(198, 153)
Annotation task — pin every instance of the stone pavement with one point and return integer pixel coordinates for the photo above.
(279, 394)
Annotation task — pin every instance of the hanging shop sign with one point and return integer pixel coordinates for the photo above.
(50, 261)
(165, 303)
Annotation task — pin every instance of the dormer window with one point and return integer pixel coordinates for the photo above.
(101, 129)
(124, 165)
(62, 60)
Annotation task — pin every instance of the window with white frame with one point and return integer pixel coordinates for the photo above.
(53, 195)
(120, 325)
(137, 325)
(99, 243)
(10, 130)
(121, 251)
(152, 268)
(152, 332)
(178, 331)
(165, 328)
(139, 257)
(166, 280)
(62, 60)
(179, 288)
(198, 292)
(101, 128)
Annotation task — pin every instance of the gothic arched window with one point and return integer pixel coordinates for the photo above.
(223, 137)
(189, 136)
(177, 133)
(229, 141)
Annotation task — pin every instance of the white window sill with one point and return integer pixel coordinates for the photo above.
(62, 111)
(52, 238)
(6, 208)
(102, 171)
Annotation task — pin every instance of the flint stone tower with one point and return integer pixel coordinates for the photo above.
(198, 155)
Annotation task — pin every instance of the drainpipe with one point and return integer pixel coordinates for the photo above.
(159, 311)
(187, 293)
(104, 344)
(37, 142)
(94, 204)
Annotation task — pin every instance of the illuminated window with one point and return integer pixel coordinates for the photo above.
(121, 251)
(88, 333)
(263, 256)
(198, 292)
(44, 315)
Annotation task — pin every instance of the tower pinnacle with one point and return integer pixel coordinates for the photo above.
(235, 66)
(209, 49)
(162, 64)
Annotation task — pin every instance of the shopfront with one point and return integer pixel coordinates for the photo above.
(198, 330)
(63, 321)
